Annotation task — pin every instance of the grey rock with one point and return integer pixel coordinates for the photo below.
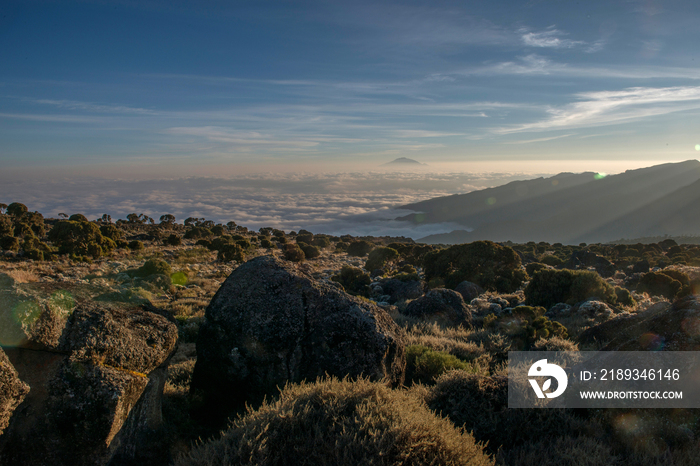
(559, 310)
(440, 302)
(401, 291)
(270, 323)
(96, 398)
(12, 390)
(469, 290)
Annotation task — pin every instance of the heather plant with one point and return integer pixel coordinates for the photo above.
(293, 253)
(489, 265)
(353, 280)
(231, 252)
(549, 287)
(359, 248)
(136, 245)
(197, 232)
(381, 257)
(9, 243)
(173, 240)
(425, 365)
(80, 239)
(16, 209)
(659, 284)
(343, 423)
(321, 241)
(112, 232)
(310, 251)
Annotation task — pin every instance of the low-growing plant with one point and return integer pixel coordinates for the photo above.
(354, 280)
(359, 248)
(380, 257)
(343, 423)
(424, 365)
(293, 253)
(549, 287)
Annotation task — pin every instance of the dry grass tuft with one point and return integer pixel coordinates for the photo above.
(340, 422)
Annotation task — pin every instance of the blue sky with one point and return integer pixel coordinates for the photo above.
(114, 88)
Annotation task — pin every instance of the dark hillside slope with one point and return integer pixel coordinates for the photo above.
(675, 214)
(576, 213)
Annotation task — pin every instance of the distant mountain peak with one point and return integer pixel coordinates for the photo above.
(403, 161)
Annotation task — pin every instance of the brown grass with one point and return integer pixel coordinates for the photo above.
(339, 422)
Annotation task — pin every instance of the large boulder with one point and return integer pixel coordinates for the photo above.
(469, 290)
(440, 302)
(12, 390)
(399, 290)
(95, 399)
(271, 323)
(30, 321)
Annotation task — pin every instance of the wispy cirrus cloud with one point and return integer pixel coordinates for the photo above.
(530, 141)
(611, 107)
(549, 38)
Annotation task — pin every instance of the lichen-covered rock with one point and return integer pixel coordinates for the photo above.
(95, 399)
(270, 323)
(30, 322)
(118, 337)
(469, 290)
(399, 290)
(12, 390)
(440, 302)
(595, 309)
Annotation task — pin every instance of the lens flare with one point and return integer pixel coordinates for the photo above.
(651, 342)
(491, 201)
(600, 176)
(697, 146)
(179, 278)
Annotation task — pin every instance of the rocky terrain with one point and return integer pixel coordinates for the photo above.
(211, 344)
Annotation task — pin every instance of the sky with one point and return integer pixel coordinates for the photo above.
(167, 89)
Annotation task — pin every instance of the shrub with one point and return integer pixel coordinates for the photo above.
(342, 423)
(293, 253)
(9, 243)
(173, 240)
(341, 246)
(80, 239)
(310, 252)
(6, 227)
(136, 245)
(534, 267)
(16, 209)
(152, 267)
(549, 287)
(624, 297)
(78, 218)
(379, 257)
(307, 238)
(359, 248)
(425, 365)
(552, 260)
(231, 252)
(198, 232)
(321, 242)
(265, 243)
(479, 403)
(353, 280)
(112, 232)
(219, 230)
(554, 344)
(489, 265)
(659, 284)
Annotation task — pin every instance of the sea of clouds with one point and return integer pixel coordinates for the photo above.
(333, 203)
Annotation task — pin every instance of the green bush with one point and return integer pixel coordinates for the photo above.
(321, 242)
(534, 267)
(310, 251)
(293, 253)
(659, 284)
(489, 265)
(552, 261)
(265, 243)
(152, 266)
(340, 423)
(9, 243)
(624, 297)
(136, 245)
(424, 365)
(6, 227)
(359, 248)
(231, 252)
(173, 240)
(16, 209)
(198, 232)
(78, 218)
(549, 287)
(379, 257)
(80, 239)
(112, 232)
(353, 280)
